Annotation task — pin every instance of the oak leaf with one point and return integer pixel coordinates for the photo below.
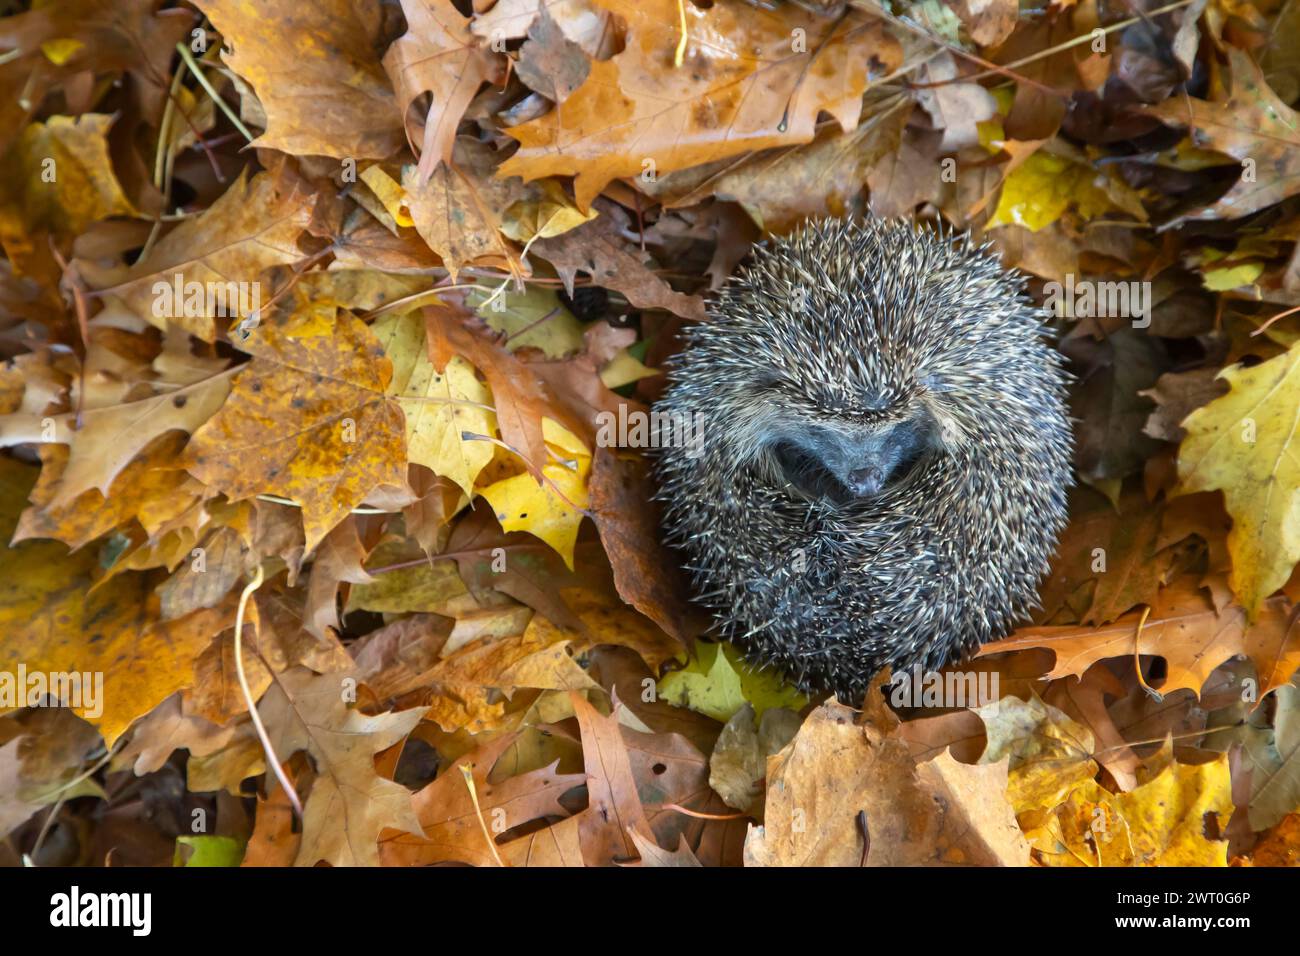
(437, 54)
(453, 829)
(1252, 125)
(739, 88)
(349, 804)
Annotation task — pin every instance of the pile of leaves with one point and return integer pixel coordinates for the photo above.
(312, 315)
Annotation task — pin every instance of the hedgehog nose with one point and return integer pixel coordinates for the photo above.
(866, 481)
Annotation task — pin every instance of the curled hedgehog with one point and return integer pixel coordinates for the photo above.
(884, 460)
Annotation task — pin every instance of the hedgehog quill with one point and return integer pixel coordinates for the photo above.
(885, 459)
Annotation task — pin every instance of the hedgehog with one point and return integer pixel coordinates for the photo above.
(881, 458)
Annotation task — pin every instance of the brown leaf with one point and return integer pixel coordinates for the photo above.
(614, 806)
(1251, 125)
(936, 813)
(307, 420)
(631, 109)
(316, 73)
(458, 210)
(599, 249)
(453, 830)
(645, 574)
(438, 55)
(252, 226)
(349, 804)
(1185, 629)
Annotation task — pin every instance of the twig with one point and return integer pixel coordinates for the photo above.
(273, 762)
(473, 795)
(190, 62)
(866, 836)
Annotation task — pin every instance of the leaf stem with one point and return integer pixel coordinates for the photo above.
(188, 58)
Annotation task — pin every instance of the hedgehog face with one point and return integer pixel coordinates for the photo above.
(845, 461)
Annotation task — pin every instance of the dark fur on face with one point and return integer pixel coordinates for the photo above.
(843, 461)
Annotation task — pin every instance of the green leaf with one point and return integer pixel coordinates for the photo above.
(208, 851)
(718, 685)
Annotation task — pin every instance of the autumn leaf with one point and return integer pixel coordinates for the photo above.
(61, 178)
(1185, 628)
(440, 406)
(933, 813)
(1246, 445)
(438, 55)
(614, 811)
(1251, 125)
(57, 625)
(740, 88)
(459, 211)
(1049, 755)
(553, 509)
(308, 420)
(254, 225)
(316, 74)
(600, 249)
(454, 829)
(349, 804)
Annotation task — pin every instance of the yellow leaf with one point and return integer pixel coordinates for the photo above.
(389, 192)
(56, 625)
(60, 51)
(1039, 191)
(553, 509)
(307, 419)
(623, 369)
(439, 407)
(1050, 754)
(1245, 444)
(534, 318)
(548, 214)
(60, 176)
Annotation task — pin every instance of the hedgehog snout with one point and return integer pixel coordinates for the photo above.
(868, 481)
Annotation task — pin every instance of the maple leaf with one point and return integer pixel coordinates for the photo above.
(59, 177)
(349, 804)
(316, 73)
(150, 489)
(307, 419)
(1247, 445)
(56, 624)
(252, 226)
(740, 87)
(440, 406)
(1163, 822)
